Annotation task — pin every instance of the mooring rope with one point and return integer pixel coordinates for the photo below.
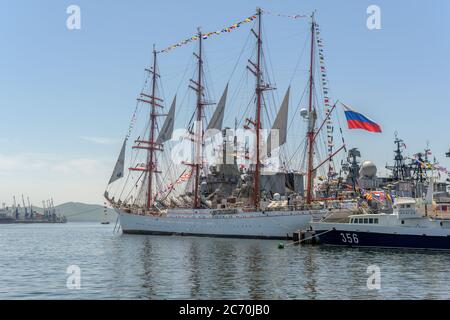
(306, 239)
(117, 221)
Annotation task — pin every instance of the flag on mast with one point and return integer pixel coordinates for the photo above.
(356, 120)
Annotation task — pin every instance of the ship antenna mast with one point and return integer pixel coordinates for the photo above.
(311, 134)
(198, 130)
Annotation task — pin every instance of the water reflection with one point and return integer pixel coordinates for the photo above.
(151, 267)
(194, 268)
(255, 271)
(309, 274)
(204, 268)
(147, 261)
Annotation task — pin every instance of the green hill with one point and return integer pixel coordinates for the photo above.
(79, 212)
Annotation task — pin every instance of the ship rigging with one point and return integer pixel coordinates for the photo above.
(241, 189)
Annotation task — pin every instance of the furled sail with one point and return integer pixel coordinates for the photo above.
(217, 119)
(280, 123)
(118, 169)
(167, 129)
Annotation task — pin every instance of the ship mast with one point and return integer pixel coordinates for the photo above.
(399, 171)
(259, 91)
(311, 125)
(151, 149)
(198, 138)
(151, 145)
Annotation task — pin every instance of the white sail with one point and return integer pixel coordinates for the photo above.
(118, 169)
(167, 129)
(217, 119)
(280, 123)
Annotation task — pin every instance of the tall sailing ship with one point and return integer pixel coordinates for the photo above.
(226, 199)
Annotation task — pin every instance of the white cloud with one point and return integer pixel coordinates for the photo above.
(78, 166)
(40, 175)
(10, 164)
(43, 163)
(99, 140)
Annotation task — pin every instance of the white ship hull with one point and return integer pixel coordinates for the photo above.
(207, 222)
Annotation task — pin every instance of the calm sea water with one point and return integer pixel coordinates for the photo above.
(34, 260)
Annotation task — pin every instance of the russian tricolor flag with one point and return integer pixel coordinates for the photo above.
(356, 120)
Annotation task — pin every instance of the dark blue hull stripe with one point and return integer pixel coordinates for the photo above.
(382, 240)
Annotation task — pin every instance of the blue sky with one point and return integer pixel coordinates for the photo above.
(66, 96)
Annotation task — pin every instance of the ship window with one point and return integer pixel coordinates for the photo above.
(371, 220)
(403, 221)
(366, 220)
(360, 220)
(375, 220)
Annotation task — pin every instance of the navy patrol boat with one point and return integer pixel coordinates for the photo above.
(406, 227)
